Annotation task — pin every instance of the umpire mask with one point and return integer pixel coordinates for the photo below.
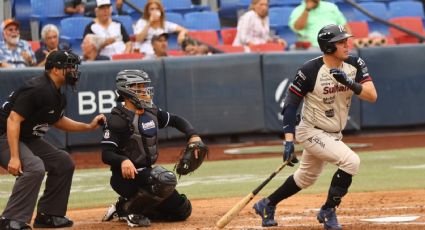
(68, 62)
(135, 85)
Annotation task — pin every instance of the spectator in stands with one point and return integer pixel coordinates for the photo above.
(153, 23)
(311, 15)
(50, 42)
(14, 52)
(253, 26)
(192, 47)
(116, 37)
(83, 7)
(90, 47)
(160, 47)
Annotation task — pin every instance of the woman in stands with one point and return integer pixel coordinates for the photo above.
(153, 23)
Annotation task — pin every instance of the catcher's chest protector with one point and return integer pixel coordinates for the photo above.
(141, 146)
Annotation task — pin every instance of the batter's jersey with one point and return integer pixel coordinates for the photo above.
(326, 101)
(39, 102)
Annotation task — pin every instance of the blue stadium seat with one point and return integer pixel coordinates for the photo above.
(126, 21)
(228, 9)
(47, 12)
(183, 6)
(73, 31)
(21, 11)
(379, 9)
(274, 3)
(205, 20)
(406, 9)
(175, 17)
(279, 17)
(289, 36)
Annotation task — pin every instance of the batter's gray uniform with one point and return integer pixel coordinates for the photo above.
(323, 117)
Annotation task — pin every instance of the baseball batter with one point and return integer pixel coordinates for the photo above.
(327, 84)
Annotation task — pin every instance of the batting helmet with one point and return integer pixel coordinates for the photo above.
(330, 34)
(128, 81)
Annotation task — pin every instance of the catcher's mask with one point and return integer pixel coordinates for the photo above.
(329, 35)
(68, 62)
(135, 85)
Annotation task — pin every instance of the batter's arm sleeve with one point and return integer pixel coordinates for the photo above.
(289, 112)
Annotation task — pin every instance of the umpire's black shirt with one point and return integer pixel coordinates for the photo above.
(39, 102)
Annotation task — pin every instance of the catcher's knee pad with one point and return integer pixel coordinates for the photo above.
(304, 179)
(351, 164)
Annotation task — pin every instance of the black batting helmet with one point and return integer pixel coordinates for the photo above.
(140, 97)
(330, 34)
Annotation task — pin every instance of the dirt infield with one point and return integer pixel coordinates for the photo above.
(297, 212)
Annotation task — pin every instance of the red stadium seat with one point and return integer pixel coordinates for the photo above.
(231, 49)
(228, 35)
(35, 45)
(127, 56)
(209, 37)
(412, 23)
(175, 53)
(359, 29)
(267, 47)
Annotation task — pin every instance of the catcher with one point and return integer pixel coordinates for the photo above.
(130, 146)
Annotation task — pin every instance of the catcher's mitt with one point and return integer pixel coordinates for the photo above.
(188, 163)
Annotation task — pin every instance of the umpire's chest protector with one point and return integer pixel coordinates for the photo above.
(141, 144)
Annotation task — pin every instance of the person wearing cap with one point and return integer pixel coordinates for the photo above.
(50, 42)
(14, 52)
(160, 47)
(90, 47)
(310, 16)
(153, 22)
(116, 37)
(24, 118)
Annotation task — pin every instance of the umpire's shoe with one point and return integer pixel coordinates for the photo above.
(6, 224)
(43, 220)
(137, 220)
(329, 219)
(266, 212)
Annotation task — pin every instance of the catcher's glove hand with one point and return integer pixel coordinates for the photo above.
(188, 161)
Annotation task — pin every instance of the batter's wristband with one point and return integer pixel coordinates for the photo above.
(356, 88)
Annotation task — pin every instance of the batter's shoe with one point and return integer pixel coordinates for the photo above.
(137, 220)
(43, 220)
(328, 218)
(266, 212)
(6, 224)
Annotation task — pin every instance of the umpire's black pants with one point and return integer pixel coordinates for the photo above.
(37, 157)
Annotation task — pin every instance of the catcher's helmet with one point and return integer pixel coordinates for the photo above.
(330, 34)
(128, 87)
(65, 59)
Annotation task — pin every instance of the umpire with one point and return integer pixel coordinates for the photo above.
(24, 119)
(130, 147)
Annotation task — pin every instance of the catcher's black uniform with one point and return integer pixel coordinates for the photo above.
(134, 136)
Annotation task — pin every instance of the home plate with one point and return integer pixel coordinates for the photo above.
(391, 219)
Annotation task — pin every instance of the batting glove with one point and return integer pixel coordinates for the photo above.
(341, 77)
(288, 152)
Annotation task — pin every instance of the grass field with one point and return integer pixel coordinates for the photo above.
(380, 170)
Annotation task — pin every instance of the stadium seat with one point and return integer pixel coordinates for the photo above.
(45, 12)
(267, 47)
(209, 37)
(183, 6)
(176, 18)
(279, 17)
(359, 29)
(205, 20)
(127, 56)
(228, 35)
(379, 9)
(228, 9)
(289, 36)
(406, 9)
(126, 21)
(21, 10)
(175, 53)
(412, 23)
(73, 31)
(274, 3)
(35, 45)
(231, 49)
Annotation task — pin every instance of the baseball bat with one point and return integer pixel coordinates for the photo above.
(234, 211)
